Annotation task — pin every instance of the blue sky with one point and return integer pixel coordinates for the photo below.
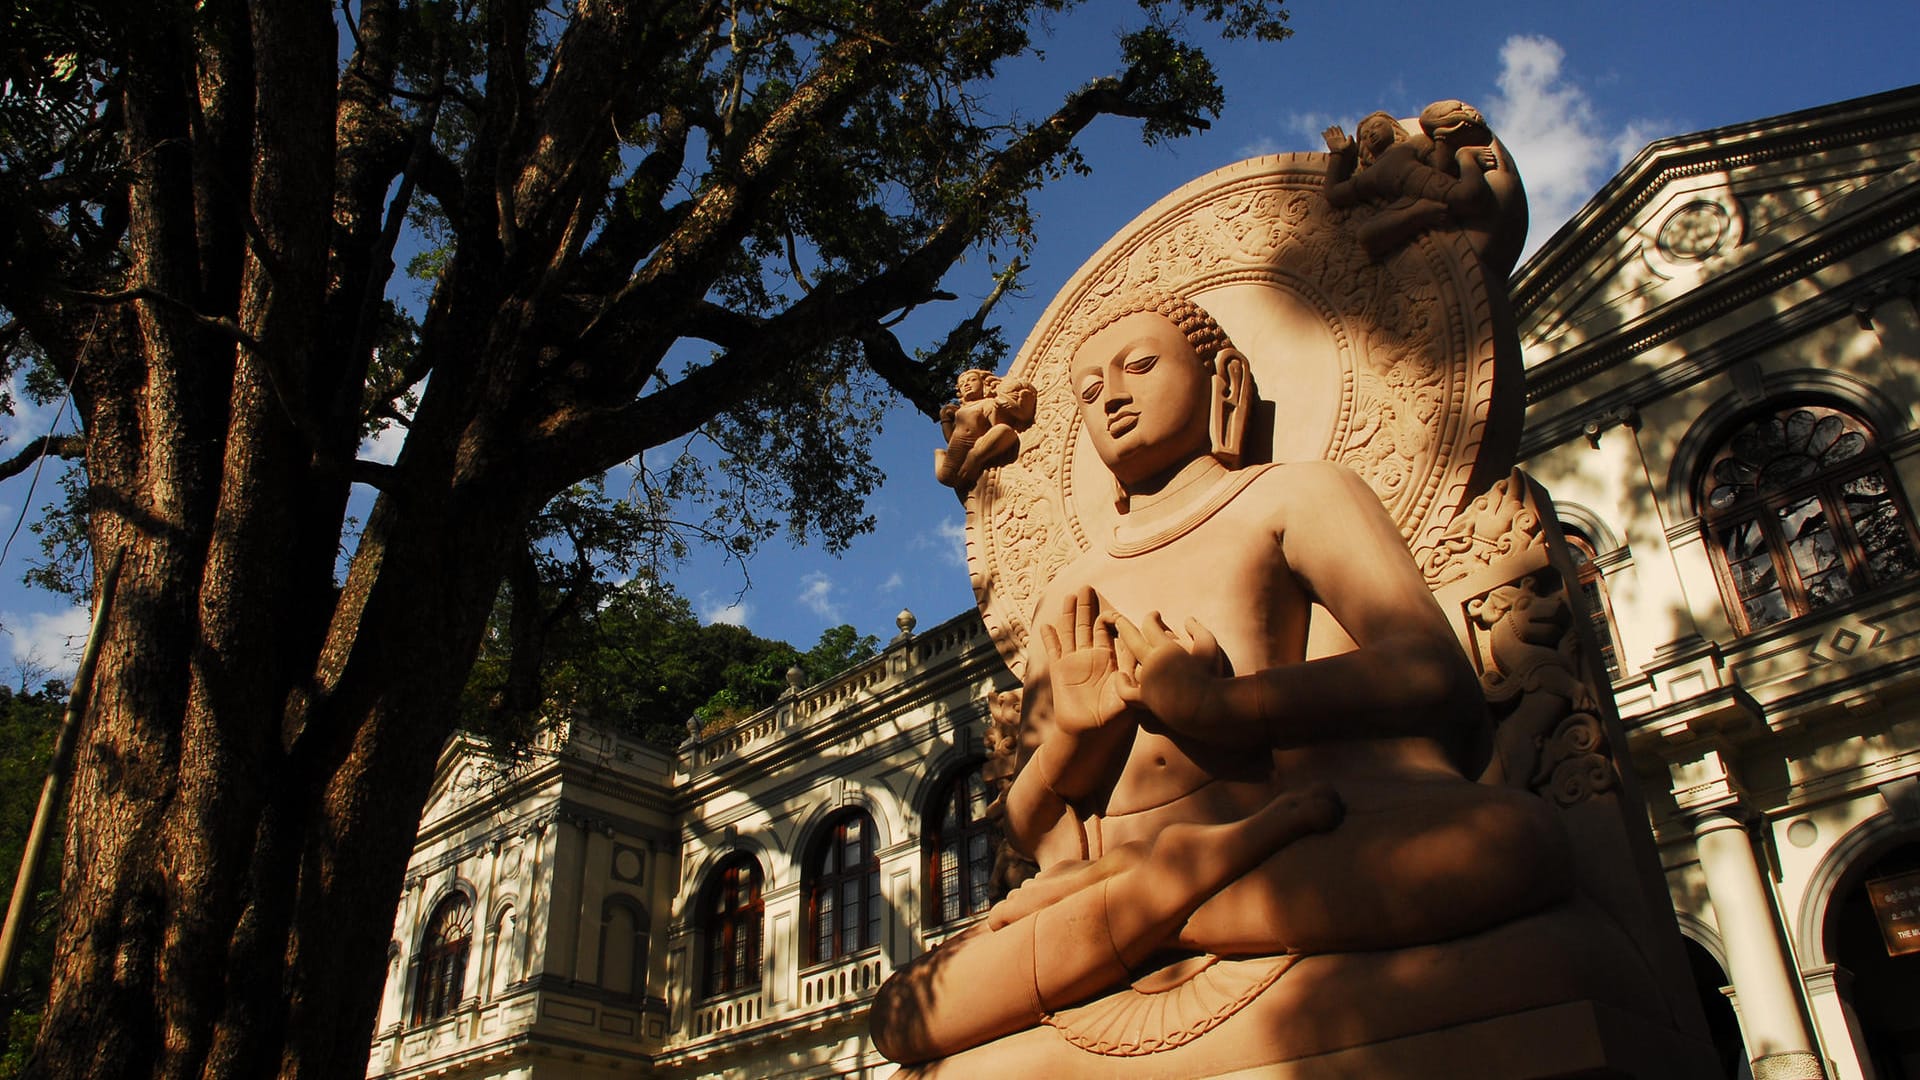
(1575, 90)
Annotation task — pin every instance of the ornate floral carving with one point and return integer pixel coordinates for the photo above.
(1493, 528)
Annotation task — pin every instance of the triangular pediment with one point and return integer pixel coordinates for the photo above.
(457, 782)
(1711, 211)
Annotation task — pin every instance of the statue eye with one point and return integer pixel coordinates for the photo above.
(1090, 389)
(1140, 365)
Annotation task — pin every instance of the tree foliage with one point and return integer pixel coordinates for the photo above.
(640, 661)
(28, 725)
(639, 225)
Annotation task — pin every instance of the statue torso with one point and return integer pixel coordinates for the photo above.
(1222, 562)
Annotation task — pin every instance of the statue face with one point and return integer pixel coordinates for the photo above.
(1376, 134)
(1144, 396)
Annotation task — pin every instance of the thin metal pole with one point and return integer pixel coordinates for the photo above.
(17, 917)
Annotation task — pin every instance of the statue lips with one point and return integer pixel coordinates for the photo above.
(1122, 422)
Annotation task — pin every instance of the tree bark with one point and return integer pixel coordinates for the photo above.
(260, 738)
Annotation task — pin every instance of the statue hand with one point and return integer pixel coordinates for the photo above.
(1179, 683)
(1337, 140)
(1083, 666)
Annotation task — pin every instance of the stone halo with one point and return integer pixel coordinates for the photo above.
(1386, 367)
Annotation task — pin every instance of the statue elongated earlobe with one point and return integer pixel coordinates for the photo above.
(1232, 404)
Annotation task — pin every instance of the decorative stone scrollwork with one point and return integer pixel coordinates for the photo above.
(1010, 868)
(1496, 526)
(1548, 737)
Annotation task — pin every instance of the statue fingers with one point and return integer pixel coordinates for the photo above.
(1160, 632)
(1084, 609)
(1103, 634)
(1125, 659)
(1131, 638)
(1205, 646)
(1050, 640)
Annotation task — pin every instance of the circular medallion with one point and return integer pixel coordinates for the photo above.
(627, 864)
(1694, 231)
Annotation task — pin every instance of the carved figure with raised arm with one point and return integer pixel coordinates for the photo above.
(983, 428)
(1449, 174)
(1192, 786)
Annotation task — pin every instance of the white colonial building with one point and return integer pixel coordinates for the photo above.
(1723, 377)
(1723, 374)
(611, 909)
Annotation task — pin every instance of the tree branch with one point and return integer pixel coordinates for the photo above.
(687, 261)
(226, 328)
(60, 446)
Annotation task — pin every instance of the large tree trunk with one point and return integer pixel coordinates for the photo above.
(260, 737)
(259, 741)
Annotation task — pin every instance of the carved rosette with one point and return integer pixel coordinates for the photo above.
(1387, 367)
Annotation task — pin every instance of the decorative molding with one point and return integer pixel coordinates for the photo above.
(1574, 367)
(1868, 121)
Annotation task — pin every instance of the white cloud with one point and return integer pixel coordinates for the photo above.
(30, 419)
(1563, 147)
(953, 540)
(53, 640)
(384, 445)
(816, 595)
(948, 539)
(894, 581)
(730, 612)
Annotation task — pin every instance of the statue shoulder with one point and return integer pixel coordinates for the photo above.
(1309, 483)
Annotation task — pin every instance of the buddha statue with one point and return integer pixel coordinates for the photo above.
(1192, 786)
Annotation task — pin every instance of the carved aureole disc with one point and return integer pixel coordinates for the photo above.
(1387, 367)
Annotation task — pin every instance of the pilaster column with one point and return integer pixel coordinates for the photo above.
(1778, 1039)
(1665, 599)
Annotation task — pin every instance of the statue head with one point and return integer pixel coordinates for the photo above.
(1378, 131)
(973, 384)
(1455, 124)
(1159, 384)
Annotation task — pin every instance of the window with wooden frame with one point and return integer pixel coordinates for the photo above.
(842, 887)
(442, 970)
(960, 848)
(733, 911)
(1803, 512)
(1591, 586)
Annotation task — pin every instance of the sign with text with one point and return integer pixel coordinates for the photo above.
(1896, 903)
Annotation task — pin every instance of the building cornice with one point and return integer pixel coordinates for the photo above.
(1867, 121)
(1569, 369)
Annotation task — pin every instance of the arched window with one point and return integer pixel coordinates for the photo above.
(443, 959)
(843, 890)
(1594, 603)
(1803, 512)
(959, 848)
(623, 946)
(733, 912)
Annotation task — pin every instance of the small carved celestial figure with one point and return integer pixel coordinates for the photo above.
(1417, 182)
(983, 429)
